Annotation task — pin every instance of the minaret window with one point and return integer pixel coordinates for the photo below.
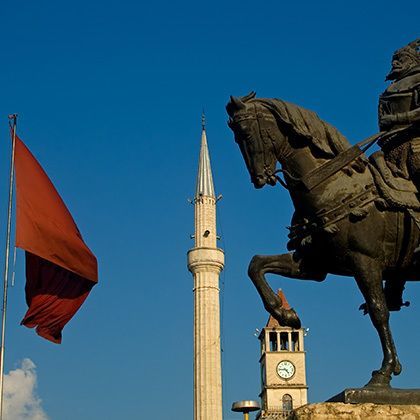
(284, 341)
(287, 403)
(273, 341)
(295, 341)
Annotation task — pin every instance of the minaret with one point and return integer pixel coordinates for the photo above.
(206, 261)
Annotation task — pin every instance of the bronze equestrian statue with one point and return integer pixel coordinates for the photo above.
(354, 216)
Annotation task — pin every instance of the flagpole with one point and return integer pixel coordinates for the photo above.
(13, 118)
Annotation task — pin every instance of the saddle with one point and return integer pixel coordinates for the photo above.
(401, 194)
(397, 192)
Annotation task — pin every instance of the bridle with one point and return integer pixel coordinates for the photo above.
(265, 139)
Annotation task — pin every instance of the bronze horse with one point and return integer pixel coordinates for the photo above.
(342, 225)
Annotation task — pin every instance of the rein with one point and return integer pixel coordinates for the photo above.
(288, 174)
(323, 172)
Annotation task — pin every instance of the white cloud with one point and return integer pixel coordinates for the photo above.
(20, 399)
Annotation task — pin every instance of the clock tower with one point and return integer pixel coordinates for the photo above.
(283, 371)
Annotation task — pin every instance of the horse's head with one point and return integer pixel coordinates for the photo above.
(254, 126)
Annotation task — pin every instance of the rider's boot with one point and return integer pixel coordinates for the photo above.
(393, 291)
(393, 294)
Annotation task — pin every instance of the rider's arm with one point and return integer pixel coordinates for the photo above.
(409, 117)
(401, 118)
(412, 116)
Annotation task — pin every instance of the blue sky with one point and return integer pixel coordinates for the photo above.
(109, 97)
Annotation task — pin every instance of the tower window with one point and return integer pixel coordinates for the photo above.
(287, 403)
(284, 341)
(273, 341)
(295, 341)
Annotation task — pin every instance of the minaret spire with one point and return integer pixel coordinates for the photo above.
(205, 186)
(206, 261)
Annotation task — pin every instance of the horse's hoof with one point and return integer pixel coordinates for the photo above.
(287, 318)
(379, 379)
(292, 319)
(397, 369)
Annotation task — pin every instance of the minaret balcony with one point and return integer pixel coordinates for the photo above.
(206, 259)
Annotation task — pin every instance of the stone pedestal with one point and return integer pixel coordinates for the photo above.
(378, 395)
(341, 411)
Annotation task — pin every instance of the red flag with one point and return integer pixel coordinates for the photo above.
(60, 268)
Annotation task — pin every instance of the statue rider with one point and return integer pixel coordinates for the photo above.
(399, 106)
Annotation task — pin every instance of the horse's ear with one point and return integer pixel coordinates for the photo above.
(235, 104)
(251, 95)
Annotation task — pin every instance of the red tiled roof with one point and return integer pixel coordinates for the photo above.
(272, 322)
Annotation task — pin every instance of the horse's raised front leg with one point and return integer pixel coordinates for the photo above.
(287, 265)
(369, 280)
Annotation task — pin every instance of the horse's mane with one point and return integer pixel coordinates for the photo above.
(307, 124)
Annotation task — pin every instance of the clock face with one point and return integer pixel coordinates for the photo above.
(286, 369)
